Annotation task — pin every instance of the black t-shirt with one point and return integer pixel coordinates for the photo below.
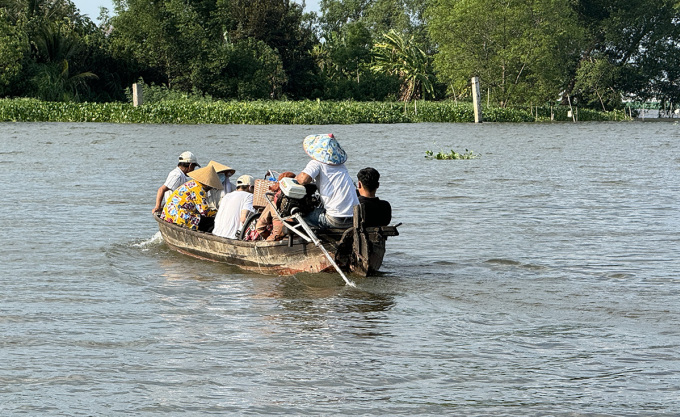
(378, 212)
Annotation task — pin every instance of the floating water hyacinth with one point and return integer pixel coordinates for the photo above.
(451, 155)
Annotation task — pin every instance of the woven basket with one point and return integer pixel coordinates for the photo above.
(261, 187)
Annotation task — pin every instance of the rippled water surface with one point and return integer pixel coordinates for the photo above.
(542, 278)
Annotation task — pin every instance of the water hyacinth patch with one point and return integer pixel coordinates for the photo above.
(308, 112)
(451, 155)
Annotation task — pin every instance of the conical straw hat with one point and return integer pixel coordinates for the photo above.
(206, 176)
(325, 149)
(221, 168)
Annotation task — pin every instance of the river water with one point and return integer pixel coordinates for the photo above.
(542, 278)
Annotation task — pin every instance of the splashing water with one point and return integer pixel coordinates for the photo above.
(155, 239)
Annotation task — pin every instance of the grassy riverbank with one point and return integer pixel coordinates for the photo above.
(280, 112)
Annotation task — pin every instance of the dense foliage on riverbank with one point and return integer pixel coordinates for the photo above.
(594, 53)
(277, 112)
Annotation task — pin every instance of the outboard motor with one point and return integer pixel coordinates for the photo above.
(296, 198)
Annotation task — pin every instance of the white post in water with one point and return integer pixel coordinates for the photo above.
(475, 100)
(137, 95)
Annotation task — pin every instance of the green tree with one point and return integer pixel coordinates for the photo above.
(347, 53)
(286, 29)
(337, 13)
(345, 60)
(114, 75)
(632, 45)
(54, 82)
(402, 16)
(247, 70)
(400, 56)
(55, 64)
(596, 82)
(165, 38)
(34, 13)
(185, 43)
(13, 47)
(522, 50)
(378, 16)
(349, 29)
(56, 46)
(665, 84)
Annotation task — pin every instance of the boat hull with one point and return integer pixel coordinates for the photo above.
(358, 249)
(264, 257)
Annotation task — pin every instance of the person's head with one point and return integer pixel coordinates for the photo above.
(275, 187)
(223, 171)
(187, 162)
(245, 183)
(369, 180)
(325, 149)
(207, 177)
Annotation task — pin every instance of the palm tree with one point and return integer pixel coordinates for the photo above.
(56, 44)
(401, 56)
(54, 82)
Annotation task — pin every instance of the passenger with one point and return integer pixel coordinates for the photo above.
(377, 212)
(224, 173)
(176, 177)
(337, 191)
(235, 208)
(268, 225)
(188, 204)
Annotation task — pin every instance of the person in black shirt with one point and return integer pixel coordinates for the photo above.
(378, 212)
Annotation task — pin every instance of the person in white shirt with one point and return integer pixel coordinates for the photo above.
(338, 192)
(176, 177)
(235, 208)
(224, 173)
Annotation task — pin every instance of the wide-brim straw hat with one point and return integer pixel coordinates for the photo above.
(221, 168)
(325, 149)
(206, 176)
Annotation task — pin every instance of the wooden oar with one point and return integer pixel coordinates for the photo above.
(318, 244)
(310, 237)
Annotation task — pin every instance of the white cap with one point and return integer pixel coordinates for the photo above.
(245, 180)
(188, 158)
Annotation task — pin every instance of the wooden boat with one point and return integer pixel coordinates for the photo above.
(359, 250)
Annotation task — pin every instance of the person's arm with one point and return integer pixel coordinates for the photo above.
(244, 215)
(159, 198)
(247, 208)
(310, 172)
(303, 178)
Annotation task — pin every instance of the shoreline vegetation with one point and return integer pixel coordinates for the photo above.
(307, 112)
(268, 62)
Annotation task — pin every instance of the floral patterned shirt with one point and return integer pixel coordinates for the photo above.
(186, 205)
